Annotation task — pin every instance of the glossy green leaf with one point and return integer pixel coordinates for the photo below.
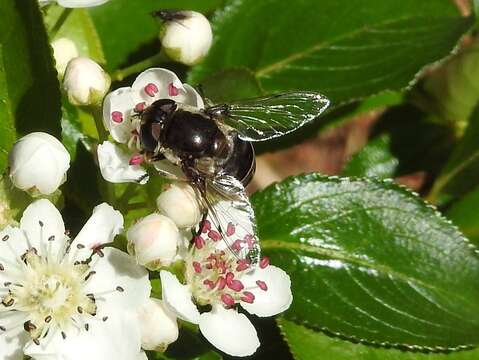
(306, 344)
(29, 91)
(464, 214)
(374, 160)
(347, 49)
(461, 173)
(129, 33)
(372, 262)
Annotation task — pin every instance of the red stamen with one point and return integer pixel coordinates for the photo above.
(136, 160)
(140, 107)
(237, 245)
(209, 283)
(197, 267)
(173, 90)
(250, 240)
(248, 297)
(117, 116)
(206, 226)
(151, 89)
(221, 283)
(214, 235)
(230, 230)
(235, 285)
(199, 242)
(229, 277)
(262, 285)
(264, 262)
(227, 300)
(242, 265)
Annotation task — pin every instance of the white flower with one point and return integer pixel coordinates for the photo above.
(85, 82)
(38, 162)
(65, 299)
(74, 3)
(120, 116)
(159, 327)
(154, 241)
(187, 40)
(179, 203)
(63, 51)
(214, 276)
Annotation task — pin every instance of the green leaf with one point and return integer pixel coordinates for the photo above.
(374, 160)
(306, 344)
(371, 262)
(29, 90)
(347, 49)
(461, 173)
(129, 33)
(464, 214)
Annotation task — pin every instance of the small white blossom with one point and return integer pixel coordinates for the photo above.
(67, 299)
(159, 327)
(154, 241)
(64, 50)
(120, 117)
(187, 40)
(179, 203)
(214, 276)
(38, 163)
(85, 82)
(74, 3)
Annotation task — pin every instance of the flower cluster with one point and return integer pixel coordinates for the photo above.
(216, 281)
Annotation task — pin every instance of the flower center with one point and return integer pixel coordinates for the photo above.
(215, 276)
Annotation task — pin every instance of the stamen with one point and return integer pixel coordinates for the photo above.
(199, 242)
(140, 107)
(120, 289)
(197, 267)
(264, 262)
(51, 238)
(136, 159)
(221, 283)
(230, 230)
(214, 235)
(235, 285)
(243, 264)
(117, 116)
(262, 285)
(206, 226)
(151, 89)
(227, 300)
(248, 297)
(5, 238)
(173, 90)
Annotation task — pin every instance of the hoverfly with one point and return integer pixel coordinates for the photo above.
(213, 147)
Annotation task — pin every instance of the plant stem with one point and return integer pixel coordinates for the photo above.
(96, 111)
(60, 21)
(139, 67)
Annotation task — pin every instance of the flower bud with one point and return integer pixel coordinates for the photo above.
(158, 325)
(179, 203)
(63, 51)
(154, 241)
(187, 40)
(38, 162)
(74, 3)
(85, 82)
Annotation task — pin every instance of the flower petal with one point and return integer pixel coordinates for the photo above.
(191, 97)
(178, 298)
(100, 229)
(115, 167)
(118, 270)
(80, 3)
(13, 244)
(117, 111)
(276, 299)
(43, 226)
(154, 84)
(229, 331)
(12, 342)
(118, 338)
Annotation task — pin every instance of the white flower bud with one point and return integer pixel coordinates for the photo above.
(187, 40)
(158, 325)
(179, 203)
(63, 51)
(154, 241)
(85, 82)
(74, 3)
(38, 162)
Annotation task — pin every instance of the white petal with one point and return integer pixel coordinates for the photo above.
(142, 356)
(80, 3)
(229, 331)
(115, 269)
(100, 229)
(117, 338)
(13, 247)
(178, 298)
(42, 222)
(276, 299)
(191, 97)
(158, 325)
(115, 167)
(159, 77)
(121, 101)
(166, 169)
(12, 342)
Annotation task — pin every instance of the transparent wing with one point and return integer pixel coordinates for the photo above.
(269, 117)
(232, 216)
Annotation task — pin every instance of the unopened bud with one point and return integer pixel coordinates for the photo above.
(179, 203)
(63, 51)
(154, 241)
(38, 163)
(74, 3)
(187, 39)
(158, 325)
(85, 82)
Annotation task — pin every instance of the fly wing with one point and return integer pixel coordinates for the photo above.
(273, 116)
(232, 216)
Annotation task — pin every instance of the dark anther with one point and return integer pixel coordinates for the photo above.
(80, 246)
(87, 327)
(48, 319)
(119, 289)
(41, 223)
(90, 274)
(29, 326)
(5, 238)
(36, 341)
(2, 268)
(64, 336)
(8, 303)
(51, 238)
(80, 310)
(105, 318)
(2, 328)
